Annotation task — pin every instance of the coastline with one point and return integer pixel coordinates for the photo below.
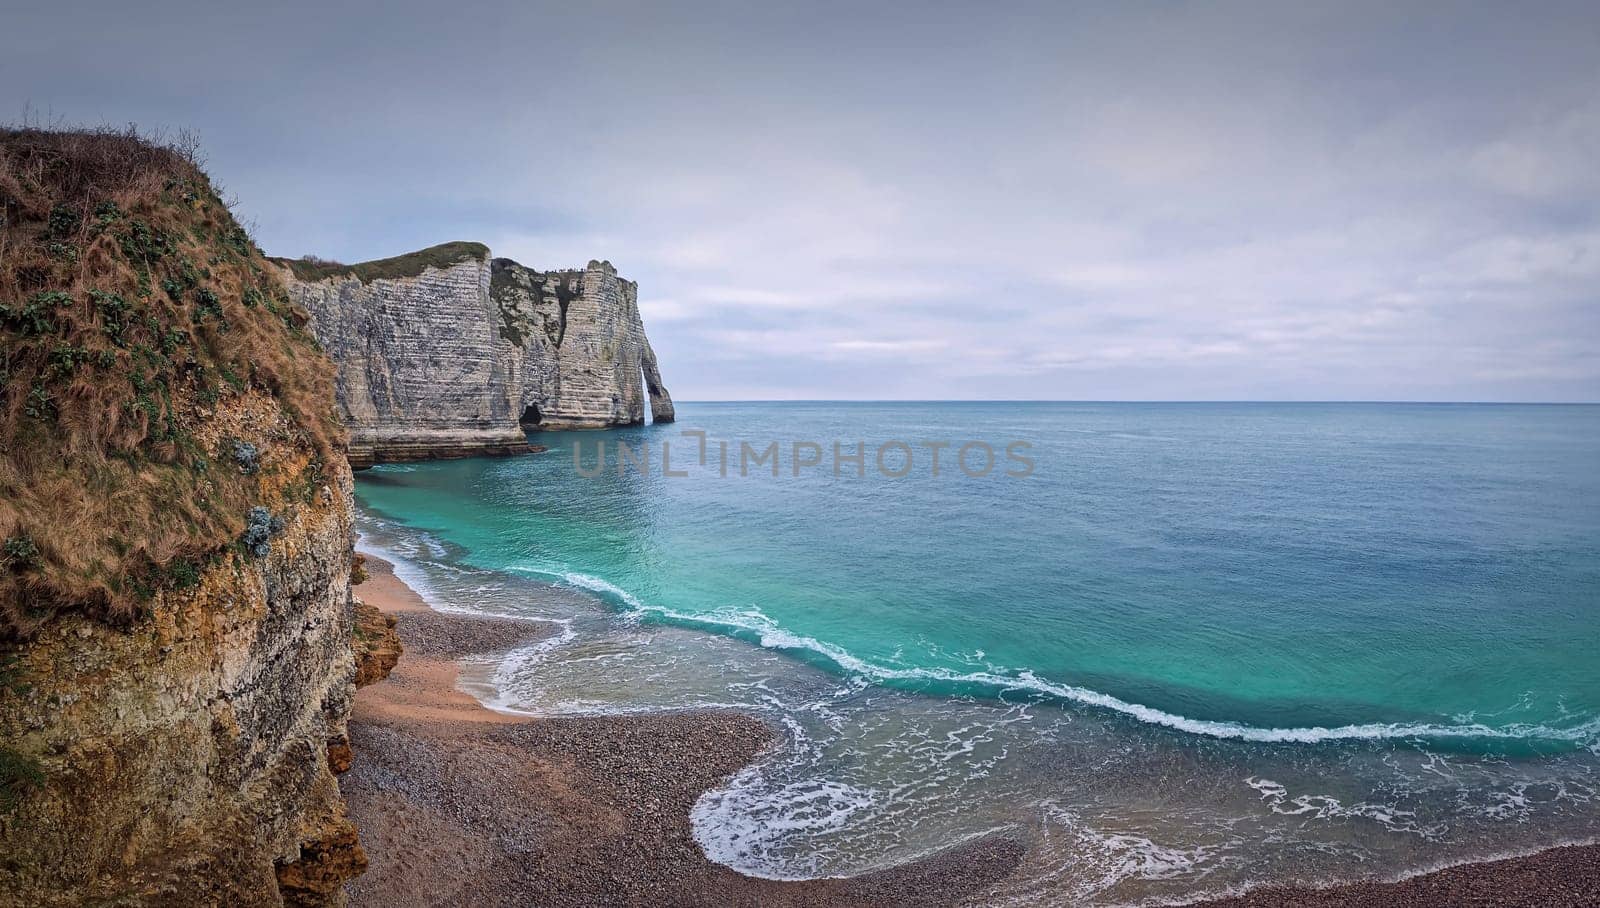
(477, 806)
(1566, 876)
(459, 804)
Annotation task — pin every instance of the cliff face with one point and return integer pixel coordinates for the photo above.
(444, 352)
(581, 345)
(421, 371)
(175, 546)
(186, 757)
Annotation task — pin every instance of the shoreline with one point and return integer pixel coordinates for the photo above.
(609, 822)
(1563, 876)
(460, 804)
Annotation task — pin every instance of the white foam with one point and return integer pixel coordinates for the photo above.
(596, 584)
(1240, 890)
(772, 636)
(407, 567)
(1326, 807)
(520, 660)
(408, 571)
(1091, 862)
(745, 822)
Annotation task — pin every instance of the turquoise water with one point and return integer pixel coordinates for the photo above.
(1364, 635)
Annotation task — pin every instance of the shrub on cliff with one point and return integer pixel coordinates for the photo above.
(444, 255)
(19, 775)
(131, 305)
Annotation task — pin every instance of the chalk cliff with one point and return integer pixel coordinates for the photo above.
(447, 352)
(176, 540)
(422, 371)
(581, 344)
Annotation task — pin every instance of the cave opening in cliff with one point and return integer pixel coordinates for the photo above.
(530, 416)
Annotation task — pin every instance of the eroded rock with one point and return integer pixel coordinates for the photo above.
(446, 352)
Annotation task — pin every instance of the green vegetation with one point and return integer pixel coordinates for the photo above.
(110, 358)
(183, 573)
(207, 305)
(508, 280)
(106, 213)
(19, 775)
(311, 268)
(502, 289)
(63, 222)
(18, 553)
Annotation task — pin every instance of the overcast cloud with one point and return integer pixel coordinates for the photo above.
(1090, 201)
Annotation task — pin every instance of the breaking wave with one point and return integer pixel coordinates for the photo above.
(754, 626)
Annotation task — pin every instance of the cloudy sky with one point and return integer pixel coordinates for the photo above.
(930, 200)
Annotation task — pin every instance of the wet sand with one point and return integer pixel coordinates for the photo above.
(1558, 878)
(460, 805)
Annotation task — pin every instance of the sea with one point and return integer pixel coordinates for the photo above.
(1178, 649)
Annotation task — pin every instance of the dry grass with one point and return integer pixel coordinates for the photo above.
(444, 255)
(132, 306)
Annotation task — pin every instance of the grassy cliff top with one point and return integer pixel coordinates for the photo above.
(133, 310)
(401, 266)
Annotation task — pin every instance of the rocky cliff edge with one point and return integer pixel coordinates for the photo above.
(175, 546)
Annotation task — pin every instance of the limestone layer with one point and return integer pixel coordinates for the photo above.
(580, 347)
(447, 352)
(185, 757)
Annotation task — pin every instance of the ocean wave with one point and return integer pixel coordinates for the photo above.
(746, 822)
(522, 659)
(1327, 807)
(1118, 856)
(596, 585)
(754, 625)
(407, 563)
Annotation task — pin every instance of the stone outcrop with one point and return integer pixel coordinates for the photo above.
(581, 346)
(661, 409)
(422, 371)
(377, 644)
(176, 533)
(185, 758)
(447, 352)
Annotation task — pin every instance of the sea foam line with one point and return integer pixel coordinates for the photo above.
(772, 636)
(520, 660)
(411, 573)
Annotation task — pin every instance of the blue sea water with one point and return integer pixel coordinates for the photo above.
(1199, 646)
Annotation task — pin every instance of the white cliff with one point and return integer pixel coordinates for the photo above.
(582, 344)
(444, 353)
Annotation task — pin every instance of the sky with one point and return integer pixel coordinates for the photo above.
(1082, 201)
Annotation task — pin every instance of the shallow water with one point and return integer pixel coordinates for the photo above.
(1201, 646)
